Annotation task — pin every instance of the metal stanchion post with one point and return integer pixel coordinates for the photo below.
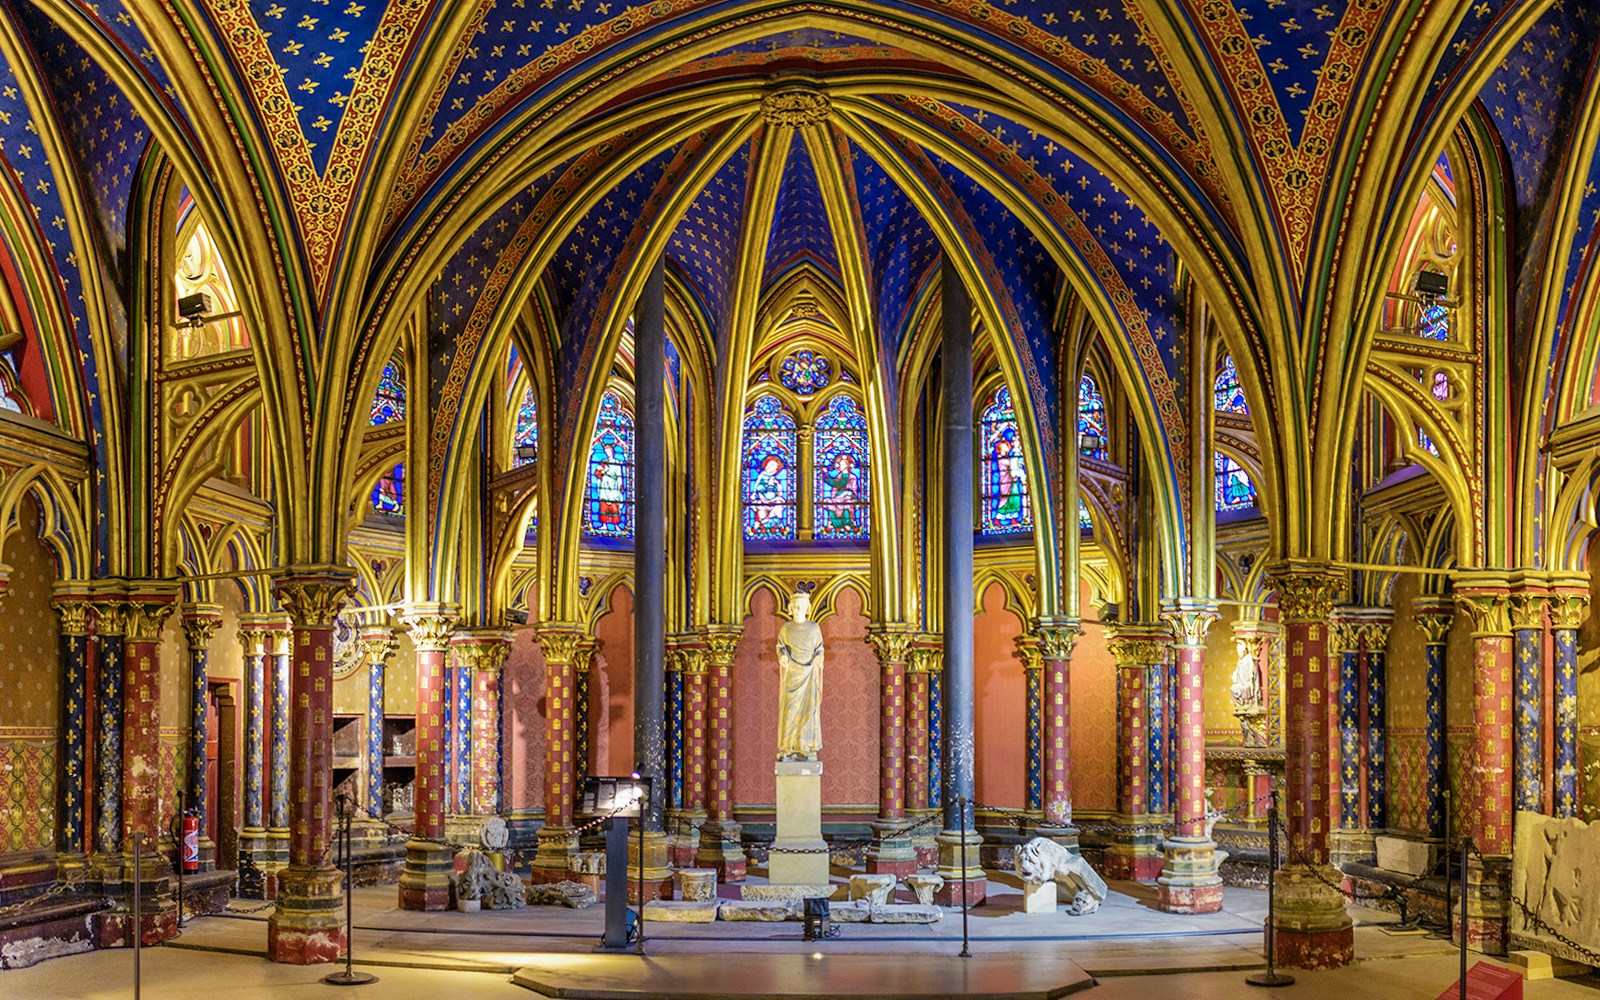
(644, 812)
(961, 807)
(134, 921)
(1466, 845)
(349, 977)
(1271, 977)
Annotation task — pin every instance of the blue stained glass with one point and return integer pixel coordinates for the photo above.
(1227, 390)
(1434, 323)
(389, 495)
(1092, 436)
(608, 497)
(805, 372)
(771, 472)
(1234, 490)
(525, 439)
(1007, 508)
(389, 404)
(1085, 522)
(840, 471)
(1427, 443)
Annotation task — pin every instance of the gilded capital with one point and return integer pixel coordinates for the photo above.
(1489, 610)
(560, 643)
(1434, 616)
(1306, 592)
(73, 613)
(795, 105)
(1027, 650)
(314, 597)
(142, 620)
(891, 644)
(431, 624)
(1056, 637)
(200, 623)
(1189, 621)
(1567, 610)
(1527, 611)
(378, 643)
(484, 649)
(722, 644)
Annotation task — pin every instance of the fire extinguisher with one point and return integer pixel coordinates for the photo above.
(191, 841)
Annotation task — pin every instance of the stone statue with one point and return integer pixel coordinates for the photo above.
(799, 682)
(1041, 860)
(1246, 688)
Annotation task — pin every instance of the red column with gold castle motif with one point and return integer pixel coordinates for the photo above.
(720, 838)
(482, 653)
(922, 662)
(147, 605)
(308, 925)
(425, 882)
(1189, 882)
(1313, 931)
(556, 840)
(1135, 852)
(688, 658)
(1056, 637)
(1485, 597)
(891, 852)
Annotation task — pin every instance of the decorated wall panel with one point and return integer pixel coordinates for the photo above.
(524, 722)
(1093, 687)
(611, 689)
(1000, 696)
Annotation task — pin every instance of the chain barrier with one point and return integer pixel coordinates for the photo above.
(847, 846)
(1590, 957)
(1391, 894)
(1021, 817)
(61, 888)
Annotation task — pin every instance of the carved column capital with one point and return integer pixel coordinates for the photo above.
(1306, 591)
(722, 644)
(431, 624)
(377, 642)
(481, 649)
(1189, 620)
(560, 642)
(313, 595)
(1434, 615)
(1567, 609)
(1527, 610)
(1138, 646)
(1027, 650)
(1486, 598)
(1056, 637)
(200, 623)
(892, 644)
(142, 619)
(73, 611)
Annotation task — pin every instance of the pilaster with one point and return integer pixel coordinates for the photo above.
(1189, 882)
(721, 844)
(425, 881)
(891, 851)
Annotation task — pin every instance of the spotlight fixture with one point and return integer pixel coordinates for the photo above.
(1430, 286)
(194, 307)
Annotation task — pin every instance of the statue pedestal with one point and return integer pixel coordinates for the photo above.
(799, 826)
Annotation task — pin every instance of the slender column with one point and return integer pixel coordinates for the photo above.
(200, 623)
(1527, 633)
(458, 797)
(1139, 652)
(582, 673)
(279, 657)
(1485, 597)
(557, 842)
(308, 926)
(72, 823)
(650, 554)
(921, 666)
(1056, 638)
(1567, 610)
(1189, 882)
(1312, 929)
(1433, 616)
(482, 654)
(145, 613)
(1346, 646)
(253, 838)
(1027, 651)
(425, 881)
(958, 855)
(1274, 689)
(689, 737)
(936, 729)
(379, 645)
(720, 838)
(109, 624)
(1159, 709)
(891, 851)
(1375, 643)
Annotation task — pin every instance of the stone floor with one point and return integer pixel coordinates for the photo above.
(1130, 947)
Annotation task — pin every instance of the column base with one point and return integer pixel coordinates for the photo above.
(891, 852)
(655, 875)
(1134, 854)
(464, 829)
(115, 929)
(1064, 834)
(1311, 927)
(957, 877)
(1189, 882)
(1488, 906)
(683, 829)
(307, 928)
(923, 841)
(720, 847)
(552, 858)
(428, 880)
(1352, 846)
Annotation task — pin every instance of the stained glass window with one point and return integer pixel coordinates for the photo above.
(525, 439)
(1441, 392)
(1434, 322)
(1085, 522)
(771, 471)
(1234, 489)
(1007, 507)
(1227, 390)
(389, 495)
(1092, 437)
(805, 372)
(608, 497)
(840, 471)
(389, 404)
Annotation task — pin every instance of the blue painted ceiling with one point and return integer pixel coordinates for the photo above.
(800, 231)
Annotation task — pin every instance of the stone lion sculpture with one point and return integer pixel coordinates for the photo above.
(1041, 860)
(481, 880)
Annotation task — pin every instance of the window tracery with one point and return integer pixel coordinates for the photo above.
(1007, 507)
(608, 496)
(771, 469)
(839, 472)
(389, 403)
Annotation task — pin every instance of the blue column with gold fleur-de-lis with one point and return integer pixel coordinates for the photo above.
(200, 623)
(935, 744)
(278, 815)
(108, 740)
(1155, 693)
(1033, 672)
(461, 739)
(1527, 653)
(378, 645)
(253, 642)
(1375, 644)
(1434, 616)
(1567, 608)
(72, 796)
(1346, 641)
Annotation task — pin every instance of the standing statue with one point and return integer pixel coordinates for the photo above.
(1246, 688)
(800, 682)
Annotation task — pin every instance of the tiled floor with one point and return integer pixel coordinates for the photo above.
(1134, 950)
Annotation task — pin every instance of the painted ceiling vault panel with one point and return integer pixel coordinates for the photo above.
(800, 230)
(706, 242)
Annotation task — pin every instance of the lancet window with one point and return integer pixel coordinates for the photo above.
(389, 494)
(1228, 393)
(1234, 490)
(771, 472)
(842, 507)
(389, 403)
(525, 436)
(1092, 436)
(1007, 508)
(608, 496)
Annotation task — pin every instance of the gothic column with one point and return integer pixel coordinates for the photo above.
(482, 655)
(691, 680)
(891, 852)
(106, 863)
(720, 838)
(582, 671)
(307, 927)
(1528, 601)
(1189, 882)
(1056, 637)
(1345, 647)
(425, 882)
(1567, 608)
(557, 842)
(72, 812)
(1375, 661)
(958, 853)
(1027, 652)
(1433, 616)
(200, 623)
(1140, 653)
(278, 660)
(1312, 929)
(922, 665)
(148, 605)
(253, 838)
(1485, 596)
(379, 645)
(460, 735)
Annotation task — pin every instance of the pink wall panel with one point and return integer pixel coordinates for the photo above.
(611, 689)
(850, 705)
(755, 704)
(524, 722)
(1093, 692)
(1001, 691)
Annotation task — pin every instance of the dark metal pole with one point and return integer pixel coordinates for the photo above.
(1271, 977)
(137, 924)
(1466, 845)
(966, 951)
(349, 977)
(956, 415)
(650, 546)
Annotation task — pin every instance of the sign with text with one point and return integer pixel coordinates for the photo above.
(1487, 982)
(620, 797)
